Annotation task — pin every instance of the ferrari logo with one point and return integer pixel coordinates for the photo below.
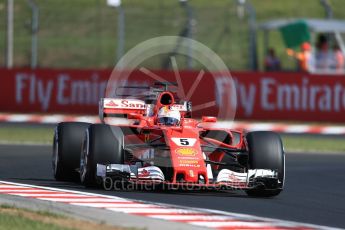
(191, 173)
(144, 173)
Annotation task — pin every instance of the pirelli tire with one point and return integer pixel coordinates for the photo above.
(103, 144)
(266, 152)
(68, 138)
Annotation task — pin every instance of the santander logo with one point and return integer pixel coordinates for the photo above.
(111, 104)
(124, 104)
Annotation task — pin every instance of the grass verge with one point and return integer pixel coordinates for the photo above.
(17, 134)
(313, 143)
(35, 134)
(15, 218)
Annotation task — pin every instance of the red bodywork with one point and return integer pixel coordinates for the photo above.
(184, 141)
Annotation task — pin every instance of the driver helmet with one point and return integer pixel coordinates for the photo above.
(168, 117)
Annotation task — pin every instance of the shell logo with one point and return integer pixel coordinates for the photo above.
(186, 151)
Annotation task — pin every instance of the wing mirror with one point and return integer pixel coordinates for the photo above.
(208, 119)
(135, 116)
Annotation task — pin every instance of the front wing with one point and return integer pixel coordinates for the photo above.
(226, 179)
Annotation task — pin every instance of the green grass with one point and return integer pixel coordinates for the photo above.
(313, 143)
(44, 135)
(18, 134)
(15, 218)
(82, 33)
(18, 222)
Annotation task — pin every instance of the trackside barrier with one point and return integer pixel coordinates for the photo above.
(260, 96)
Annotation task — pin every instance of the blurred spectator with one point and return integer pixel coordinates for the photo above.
(323, 57)
(304, 57)
(338, 59)
(272, 63)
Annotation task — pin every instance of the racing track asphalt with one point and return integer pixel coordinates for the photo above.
(314, 192)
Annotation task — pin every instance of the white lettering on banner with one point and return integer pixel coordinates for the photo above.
(337, 91)
(44, 93)
(224, 90)
(97, 89)
(61, 88)
(304, 94)
(325, 99)
(265, 93)
(34, 90)
(20, 85)
(301, 97)
(313, 91)
(288, 96)
(80, 92)
(32, 94)
(246, 100)
(273, 95)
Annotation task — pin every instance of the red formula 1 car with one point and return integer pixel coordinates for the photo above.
(163, 145)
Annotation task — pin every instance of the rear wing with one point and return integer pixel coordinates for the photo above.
(111, 107)
(115, 107)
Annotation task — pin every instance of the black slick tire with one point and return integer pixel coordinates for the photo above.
(103, 144)
(68, 138)
(266, 152)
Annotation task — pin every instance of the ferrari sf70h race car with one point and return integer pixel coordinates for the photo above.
(162, 145)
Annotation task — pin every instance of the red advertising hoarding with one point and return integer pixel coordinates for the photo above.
(290, 96)
(260, 96)
(51, 91)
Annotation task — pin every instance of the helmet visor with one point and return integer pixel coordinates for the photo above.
(168, 121)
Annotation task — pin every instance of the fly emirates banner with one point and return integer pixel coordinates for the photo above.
(258, 95)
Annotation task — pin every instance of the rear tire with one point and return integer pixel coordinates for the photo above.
(102, 144)
(67, 143)
(266, 152)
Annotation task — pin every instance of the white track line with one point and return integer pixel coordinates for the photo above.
(215, 224)
(18, 118)
(74, 200)
(191, 217)
(114, 205)
(151, 210)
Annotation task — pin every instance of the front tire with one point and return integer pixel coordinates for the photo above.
(103, 144)
(67, 143)
(266, 152)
